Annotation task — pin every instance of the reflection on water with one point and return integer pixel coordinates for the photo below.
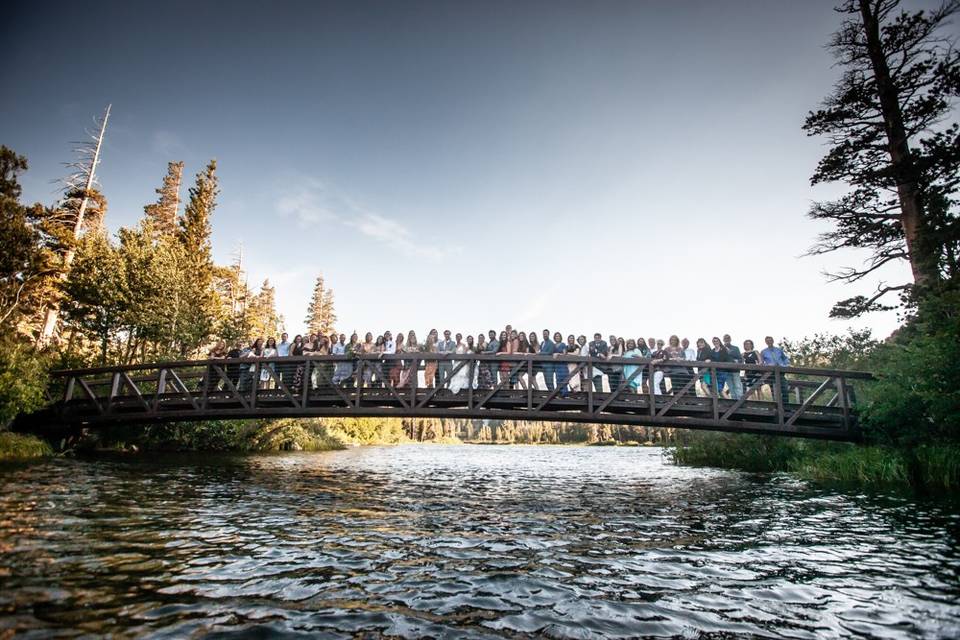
(460, 541)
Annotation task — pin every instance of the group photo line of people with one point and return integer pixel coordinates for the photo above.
(568, 377)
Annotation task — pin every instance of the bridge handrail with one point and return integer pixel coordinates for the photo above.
(480, 357)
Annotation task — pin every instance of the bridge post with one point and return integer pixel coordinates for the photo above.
(305, 383)
(207, 377)
(530, 382)
(715, 390)
(256, 385)
(844, 404)
(651, 389)
(590, 385)
(471, 369)
(716, 394)
(358, 381)
(778, 394)
(68, 390)
(114, 389)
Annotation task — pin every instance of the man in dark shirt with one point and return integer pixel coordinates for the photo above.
(734, 383)
(233, 370)
(546, 349)
(493, 346)
(598, 351)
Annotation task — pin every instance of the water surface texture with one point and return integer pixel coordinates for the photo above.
(464, 541)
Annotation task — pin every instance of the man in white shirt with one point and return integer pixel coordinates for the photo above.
(283, 351)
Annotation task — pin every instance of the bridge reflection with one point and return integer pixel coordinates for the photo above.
(788, 401)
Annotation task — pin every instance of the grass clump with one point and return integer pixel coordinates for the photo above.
(736, 451)
(929, 466)
(17, 446)
(868, 465)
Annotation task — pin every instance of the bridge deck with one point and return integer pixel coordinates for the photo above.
(818, 403)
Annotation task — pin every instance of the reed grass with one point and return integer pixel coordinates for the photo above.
(17, 446)
(931, 466)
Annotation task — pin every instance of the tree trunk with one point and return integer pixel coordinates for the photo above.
(922, 263)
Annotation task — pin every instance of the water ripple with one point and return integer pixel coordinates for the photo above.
(455, 542)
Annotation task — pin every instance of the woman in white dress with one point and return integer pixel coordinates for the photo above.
(461, 379)
(269, 351)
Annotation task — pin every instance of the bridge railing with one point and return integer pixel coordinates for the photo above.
(800, 401)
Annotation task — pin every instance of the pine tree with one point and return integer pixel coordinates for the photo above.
(321, 316)
(262, 318)
(20, 261)
(328, 317)
(894, 143)
(163, 213)
(316, 305)
(96, 294)
(199, 301)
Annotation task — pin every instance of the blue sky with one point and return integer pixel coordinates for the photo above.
(627, 167)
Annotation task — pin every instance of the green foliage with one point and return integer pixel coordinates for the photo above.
(916, 397)
(261, 317)
(845, 351)
(227, 436)
(938, 466)
(737, 451)
(163, 213)
(24, 265)
(17, 446)
(855, 464)
(368, 430)
(930, 466)
(200, 304)
(321, 316)
(23, 378)
(96, 293)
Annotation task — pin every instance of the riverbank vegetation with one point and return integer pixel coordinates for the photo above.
(315, 434)
(18, 446)
(929, 466)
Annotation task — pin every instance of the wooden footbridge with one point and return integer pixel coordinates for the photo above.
(787, 401)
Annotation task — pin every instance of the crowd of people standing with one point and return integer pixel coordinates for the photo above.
(674, 356)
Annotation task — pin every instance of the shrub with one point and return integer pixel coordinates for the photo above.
(23, 379)
(17, 446)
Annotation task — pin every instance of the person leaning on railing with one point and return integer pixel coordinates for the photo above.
(775, 356)
(489, 380)
(631, 351)
(269, 351)
(750, 356)
(408, 376)
(720, 354)
(734, 383)
(255, 350)
(676, 373)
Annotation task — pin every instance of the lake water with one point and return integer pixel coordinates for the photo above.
(464, 541)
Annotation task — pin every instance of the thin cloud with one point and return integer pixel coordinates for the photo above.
(309, 206)
(168, 144)
(315, 202)
(399, 238)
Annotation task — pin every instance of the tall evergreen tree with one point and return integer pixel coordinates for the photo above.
(163, 213)
(321, 316)
(20, 262)
(328, 316)
(262, 317)
(96, 295)
(894, 143)
(199, 300)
